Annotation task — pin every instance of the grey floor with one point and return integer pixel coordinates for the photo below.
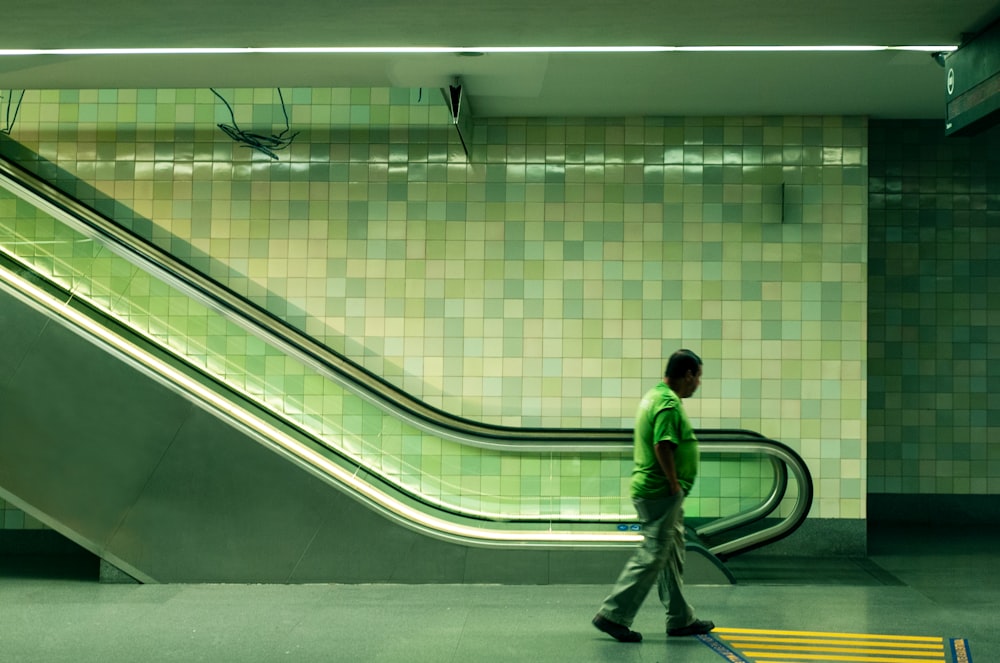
(914, 583)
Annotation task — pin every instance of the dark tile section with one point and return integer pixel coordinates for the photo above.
(973, 511)
(934, 312)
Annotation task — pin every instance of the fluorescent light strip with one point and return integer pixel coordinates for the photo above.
(431, 50)
(809, 49)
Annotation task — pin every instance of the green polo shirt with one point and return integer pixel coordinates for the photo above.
(661, 418)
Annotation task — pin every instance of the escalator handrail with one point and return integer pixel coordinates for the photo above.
(369, 489)
(788, 524)
(378, 391)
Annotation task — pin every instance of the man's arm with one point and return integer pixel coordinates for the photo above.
(665, 455)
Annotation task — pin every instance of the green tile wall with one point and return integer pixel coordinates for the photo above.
(540, 282)
(934, 370)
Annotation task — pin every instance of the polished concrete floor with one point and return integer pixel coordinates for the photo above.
(916, 582)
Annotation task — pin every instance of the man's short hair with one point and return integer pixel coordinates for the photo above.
(680, 363)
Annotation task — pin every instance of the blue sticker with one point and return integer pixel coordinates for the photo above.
(722, 650)
(960, 652)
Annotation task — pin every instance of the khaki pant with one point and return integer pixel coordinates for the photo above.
(659, 559)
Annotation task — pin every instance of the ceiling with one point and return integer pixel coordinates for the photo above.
(886, 84)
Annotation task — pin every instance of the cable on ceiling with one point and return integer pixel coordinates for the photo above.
(10, 112)
(266, 144)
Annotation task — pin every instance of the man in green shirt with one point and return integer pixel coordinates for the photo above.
(666, 463)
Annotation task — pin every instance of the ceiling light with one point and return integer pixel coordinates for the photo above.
(430, 50)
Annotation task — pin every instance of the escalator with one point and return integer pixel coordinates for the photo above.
(139, 438)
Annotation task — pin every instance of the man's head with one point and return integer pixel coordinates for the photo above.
(683, 373)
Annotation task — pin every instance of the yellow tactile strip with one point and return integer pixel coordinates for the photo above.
(778, 646)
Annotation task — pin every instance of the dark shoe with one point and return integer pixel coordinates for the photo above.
(697, 627)
(616, 631)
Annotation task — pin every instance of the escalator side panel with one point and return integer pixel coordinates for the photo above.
(82, 433)
(222, 508)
